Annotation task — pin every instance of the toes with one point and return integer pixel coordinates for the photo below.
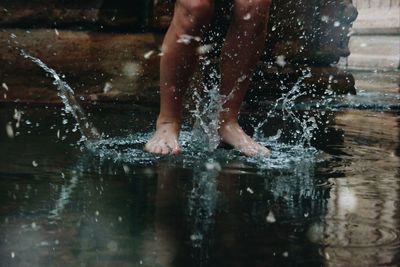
(265, 152)
(254, 149)
(251, 152)
(176, 151)
(162, 149)
(157, 150)
(148, 147)
(165, 150)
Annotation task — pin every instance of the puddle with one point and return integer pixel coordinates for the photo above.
(112, 204)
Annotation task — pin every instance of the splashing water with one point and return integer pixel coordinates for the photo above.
(208, 107)
(304, 127)
(88, 131)
(207, 112)
(129, 150)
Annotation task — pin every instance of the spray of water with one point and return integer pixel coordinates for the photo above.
(207, 112)
(284, 106)
(88, 131)
(208, 107)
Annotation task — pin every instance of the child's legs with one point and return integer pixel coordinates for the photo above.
(179, 59)
(243, 47)
(176, 68)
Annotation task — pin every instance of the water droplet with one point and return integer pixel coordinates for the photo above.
(242, 78)
(213, 166)
(196, 237)
(270, 217)
(248, 189)
(126, 169)
(9, 130)
(187, 39)
(5, 86)
(148, 54)
(34, 164)
(280, 60)
(325, 18)
(327, 257)
(247, 16)
(204, 49)
(107, 87)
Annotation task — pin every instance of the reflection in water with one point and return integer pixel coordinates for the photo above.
(225, 212)
(362, 210)
(125, 207)
(64, 196)
(202, 207)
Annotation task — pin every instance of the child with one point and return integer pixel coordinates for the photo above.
(241, 51)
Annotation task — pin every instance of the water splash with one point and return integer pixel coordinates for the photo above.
(126, 150)
(303, 127)
(88, 131)
(206, 112)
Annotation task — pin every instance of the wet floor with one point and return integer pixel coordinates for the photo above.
(111, 204)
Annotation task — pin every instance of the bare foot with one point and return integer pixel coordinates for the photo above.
(165, 139)
(233, 134)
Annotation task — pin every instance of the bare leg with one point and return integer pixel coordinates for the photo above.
(177, 66)
(244, 44)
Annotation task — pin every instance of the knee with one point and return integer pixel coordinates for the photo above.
(195, 13)
(200, 9)
(255, 11)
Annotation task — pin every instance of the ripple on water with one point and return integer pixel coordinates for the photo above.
(353, 233)
(129, 150)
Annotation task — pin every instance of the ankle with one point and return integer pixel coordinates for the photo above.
(228, 123)
(165, 123)
(168, 120)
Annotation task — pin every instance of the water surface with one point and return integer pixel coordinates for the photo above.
(111, 204)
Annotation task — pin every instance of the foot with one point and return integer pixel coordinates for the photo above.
(165, 139)
(233, 134)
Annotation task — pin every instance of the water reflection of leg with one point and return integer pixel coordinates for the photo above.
(169, 227)
(202, 205)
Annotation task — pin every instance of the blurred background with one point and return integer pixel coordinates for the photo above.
(108, 50)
